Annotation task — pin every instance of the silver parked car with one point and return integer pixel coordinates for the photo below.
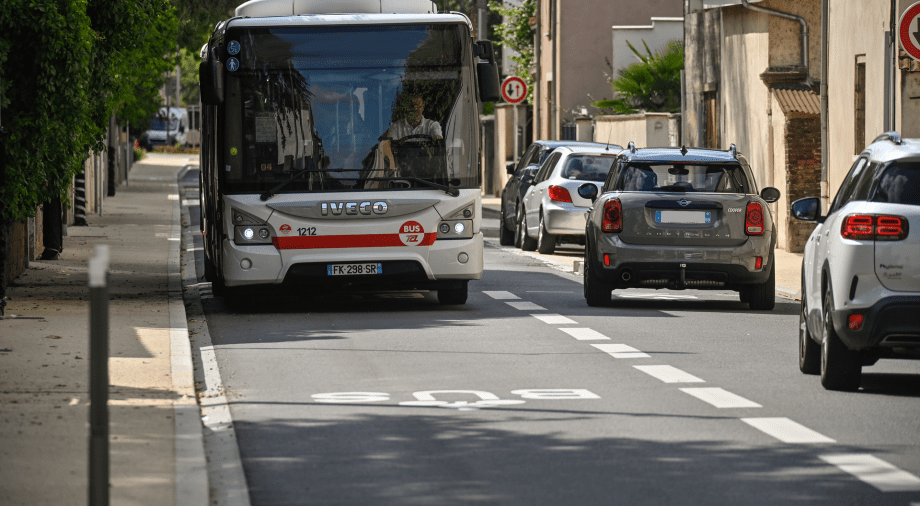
(861, 267)
(552, 211)
(680, 218)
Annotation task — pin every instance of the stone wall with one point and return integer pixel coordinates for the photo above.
(803, 174)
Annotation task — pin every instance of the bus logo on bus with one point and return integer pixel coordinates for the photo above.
(353, 208)
(411, 233)
(285, 229)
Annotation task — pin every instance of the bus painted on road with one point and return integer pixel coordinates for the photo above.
(341, 147)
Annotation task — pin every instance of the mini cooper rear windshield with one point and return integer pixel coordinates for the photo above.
(899, 184)
(658, 177)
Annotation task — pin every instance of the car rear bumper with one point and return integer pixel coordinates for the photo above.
(676, 267)
(565, 219)
(892, 322)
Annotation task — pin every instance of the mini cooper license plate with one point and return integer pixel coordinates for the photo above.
(353, 269)
(683, 216)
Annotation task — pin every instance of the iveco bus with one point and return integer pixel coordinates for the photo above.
(341, 147)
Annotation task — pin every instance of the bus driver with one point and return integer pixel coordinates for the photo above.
(415, 124)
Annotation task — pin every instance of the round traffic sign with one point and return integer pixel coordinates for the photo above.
(514, 90)
(909, 30)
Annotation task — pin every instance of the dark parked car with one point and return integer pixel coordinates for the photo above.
(680, 218)
(522, 175)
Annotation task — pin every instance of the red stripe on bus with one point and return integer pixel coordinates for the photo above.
(346, 241)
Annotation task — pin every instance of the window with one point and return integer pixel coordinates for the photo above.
(849, 183)
(547, 167)
(899, 184)
(678, 177)
(860, 109)
(587, 167)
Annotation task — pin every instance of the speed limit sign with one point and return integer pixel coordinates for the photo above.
(514, 90)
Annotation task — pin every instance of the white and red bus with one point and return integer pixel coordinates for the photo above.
(341, 147)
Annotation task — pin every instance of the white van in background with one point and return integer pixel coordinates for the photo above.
(169, 127)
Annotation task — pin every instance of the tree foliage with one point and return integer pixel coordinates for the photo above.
(652, 84)
(517, 34)
(197, 19)
(65, 65)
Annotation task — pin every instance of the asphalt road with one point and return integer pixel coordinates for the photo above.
(525, 395)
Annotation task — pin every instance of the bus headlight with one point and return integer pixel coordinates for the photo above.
(249, 229)
(455, 229)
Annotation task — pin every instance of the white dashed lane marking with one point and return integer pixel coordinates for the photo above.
(786, 430)
(584, 334)
(620, 351)
(554, 319)
(720, 398)
(668, 374)
(502, 295)
(875, 472)
(526, 306)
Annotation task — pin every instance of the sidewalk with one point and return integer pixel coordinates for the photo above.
(156, 454)
(788, 265)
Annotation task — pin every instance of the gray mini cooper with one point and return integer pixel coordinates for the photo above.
(680, 218)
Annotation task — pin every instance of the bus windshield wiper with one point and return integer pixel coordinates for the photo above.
(271, 193)
(453, 192)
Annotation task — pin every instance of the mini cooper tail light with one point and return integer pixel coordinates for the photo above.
(559, 194)
(613, 216)
(753, 219)
(858, 227)
(855, 321)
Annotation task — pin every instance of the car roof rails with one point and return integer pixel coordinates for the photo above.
(733, 150)
(631, 147)
(892, 136)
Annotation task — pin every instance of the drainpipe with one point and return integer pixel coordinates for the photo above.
(824, 153)
(554, 133)
(538, 77)
(793, 17)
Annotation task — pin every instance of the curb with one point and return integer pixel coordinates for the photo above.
(191, 466)
(224, 467)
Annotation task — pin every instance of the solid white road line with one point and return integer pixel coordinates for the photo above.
(874, 471)
(553, 319)
(620, 351)
(668, 374)
(526, 306)
(584, 334)
(501, 295)
(786, 430)
(720, 398)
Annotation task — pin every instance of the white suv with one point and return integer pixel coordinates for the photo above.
(861, 267)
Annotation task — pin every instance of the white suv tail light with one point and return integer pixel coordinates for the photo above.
(871, 227)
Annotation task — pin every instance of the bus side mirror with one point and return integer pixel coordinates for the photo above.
(211, 80)
(487, 72)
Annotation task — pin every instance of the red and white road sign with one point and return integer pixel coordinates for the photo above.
(514, 90)
(909, 30)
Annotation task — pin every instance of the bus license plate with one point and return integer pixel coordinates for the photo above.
(353, 269)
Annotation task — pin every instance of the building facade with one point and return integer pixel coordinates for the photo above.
(799, 86)
(573, 49)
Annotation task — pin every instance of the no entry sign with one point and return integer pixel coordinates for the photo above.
(514, 90)
(909, 31)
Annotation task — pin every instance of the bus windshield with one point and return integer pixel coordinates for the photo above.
(348, 108)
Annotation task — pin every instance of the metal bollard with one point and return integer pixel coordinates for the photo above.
(99, 377)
